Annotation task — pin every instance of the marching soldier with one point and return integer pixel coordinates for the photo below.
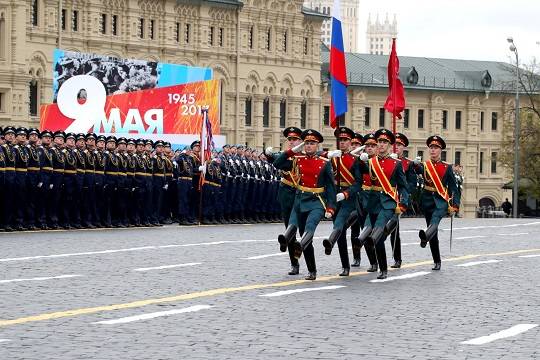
(287, 192)
(389, 194)
(315, 195)
(440, 196)
(348, 181)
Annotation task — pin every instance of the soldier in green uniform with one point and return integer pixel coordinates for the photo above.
(315, 195)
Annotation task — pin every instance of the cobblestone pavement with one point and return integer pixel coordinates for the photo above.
(222, 292)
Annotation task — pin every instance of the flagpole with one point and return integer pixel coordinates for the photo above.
(394, 101)
(203, 162)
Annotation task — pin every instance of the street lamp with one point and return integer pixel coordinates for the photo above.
(517, 132)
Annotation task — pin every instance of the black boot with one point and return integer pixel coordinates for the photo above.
(425, 236)
(284, 239)
(382, 275)
(437, 266)
(345, 272)
(396, 265)
(299, 247)
(295, 270)
(366, 231)
(377, 235)
(311, 276)
(331, 241)
(372, 268)
(391, 225)
(356, 262)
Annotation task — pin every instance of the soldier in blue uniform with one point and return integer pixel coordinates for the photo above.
(185, 189)
(159, 185)
(129, 156)
(46, 174)
(389, 194)
(169, 194)
(89, 213)
(122, 193)
(69, 184)
(210, 192)
(57, 178)
(315, 195)
(149, 199)
(80, 210)
(111, 168)
(2, 176)
(440, 195)
(34, 182)
(140, 184)
(9, 177)
(99, 165)
(21, 168)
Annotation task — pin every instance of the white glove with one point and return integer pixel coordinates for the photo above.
(228, 173)
(51, 186)
(256, 177)
(393, 155)
(237, 162)
(298, 148)
(231, 161)
(358, 150)
(334, 153)
(166, 187)
(328, 215)
(249, 177)
(364, 157)
(201, 168)
(269, 150)
(39, 185)
(417, 160)
(340, 197)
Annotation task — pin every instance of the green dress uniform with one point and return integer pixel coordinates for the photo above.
(440, 196)
(315, 196)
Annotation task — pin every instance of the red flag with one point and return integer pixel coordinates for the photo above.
(395, 102)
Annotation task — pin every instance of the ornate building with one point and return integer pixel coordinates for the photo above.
(379, 35)
(349, 18)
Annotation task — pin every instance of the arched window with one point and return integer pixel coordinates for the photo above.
(34, 97)
(303, 114)
(266, 112)
(248, 107)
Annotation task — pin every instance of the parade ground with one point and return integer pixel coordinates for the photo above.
(222, 292)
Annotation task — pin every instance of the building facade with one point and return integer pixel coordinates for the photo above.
(349, 18)
(272, 70)
(379, 35)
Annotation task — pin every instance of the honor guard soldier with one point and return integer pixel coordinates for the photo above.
(34, 182)
(69, 182)
(81, 208)
(389, 195)
(159, 185)
(99, 165)
(149, 199)
(9, 177)
(89, 216)
(122, 193)
(57, 179)
(2, 176)
(141, 186)
(348, 181)
(440, 195)
(402, 142)
(112, 166)
(129, 156)
(46, 174)
(169, 195)
(21, 168)
(315, 195)
(210, 192)
(287, 192)
(195, 155)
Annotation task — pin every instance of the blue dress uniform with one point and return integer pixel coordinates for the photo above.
(210, 193)
(81, 207)
(46, 173)
(21, 169)
(315, 196)
(89, 215)
(149, 198)
(440, 197)
(123, 189)
(9, 181)
(69, 206)
(348, 181)
(57, 178)
(112, 166)
(99, 177)
(389, 194)
(34, 183)
(410, 176)
(131, 161)
(185, 190)
(158, 185)
(169, 194)
(141, 187)
(196, 191)
(2, 178)
(286, 195)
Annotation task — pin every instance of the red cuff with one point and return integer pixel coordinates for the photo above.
(346, 193)
(330, 210)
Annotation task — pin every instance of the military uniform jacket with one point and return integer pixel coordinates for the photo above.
(349, 177)
(34, 165)
(316, 187)
(70, 165)
(446, 174)
(21, 159)
(394, 173)
(289, 180)
(99, 162)
(81, 161)
(111, 168)
(410, 174)
(140, 170)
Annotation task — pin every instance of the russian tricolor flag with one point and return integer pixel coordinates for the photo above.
(338, 70)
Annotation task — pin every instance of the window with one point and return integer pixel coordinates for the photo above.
(494, 121)
(326, 116)
(33, 98)
(420, 154)
(282, 113)
(35, 12)
(284, 42)
(481, 121)
(443, 155)
(381, 117)
(457, 158)
(75, 20)
(268, 38)
(421, 118)
(102, 22)
(220, 37)
(306, 48)
(211, 36)
(445, 119)
(248, 111)
(493, 162)
(250, 38)
(458, 120)
(481, 162)
(114, 25)
(177, 33)
(303, 114)
(141, 28)
(406, 118)
(187, 33)
(64, 14)
(152, 22)
(367, 115)
(266, 112)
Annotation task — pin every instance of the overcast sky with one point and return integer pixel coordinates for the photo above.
(459, 29)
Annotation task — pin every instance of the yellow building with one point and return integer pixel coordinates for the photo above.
(268, 56)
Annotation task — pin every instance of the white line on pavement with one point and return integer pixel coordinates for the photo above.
(401, 277)
(478, 227)
(288, 292)
(153, 315)
(513, 331)
(470, 237)
(166, 267)
(39, 278)
(473, 263)
(514, 234)
(4, 340)
(410, 244)
(264, 256)
(530, 256)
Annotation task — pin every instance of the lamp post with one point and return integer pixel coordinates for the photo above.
(517, 131)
